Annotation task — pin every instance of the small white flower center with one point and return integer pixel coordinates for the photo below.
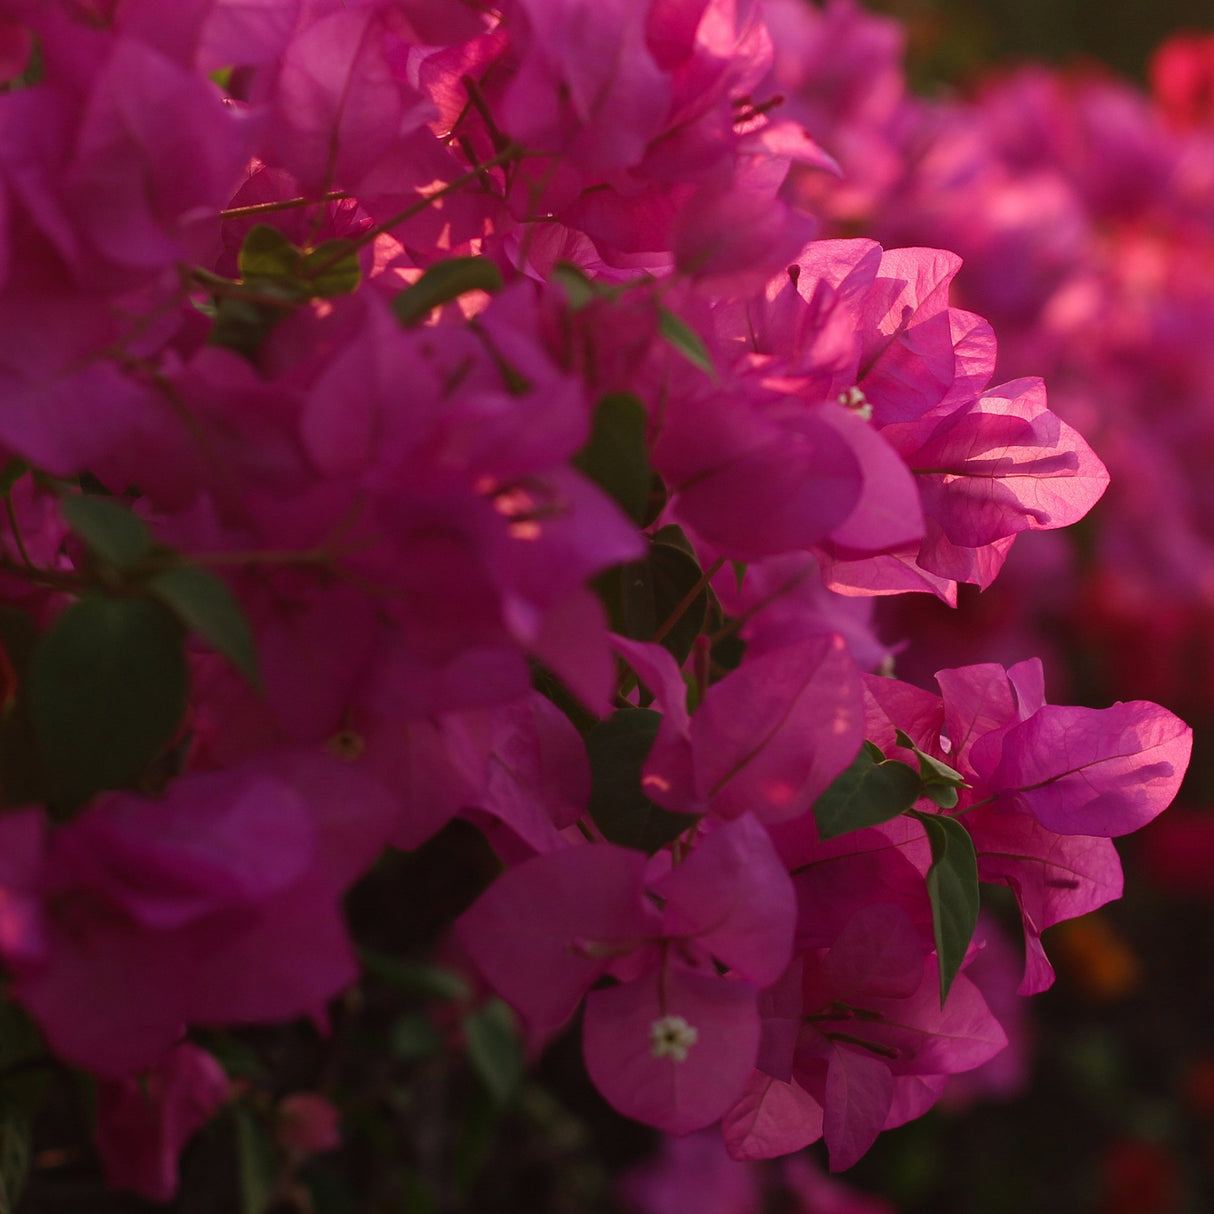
(855, 400)
(671, 1037)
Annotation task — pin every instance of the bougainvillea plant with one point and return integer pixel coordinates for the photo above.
(417, 410)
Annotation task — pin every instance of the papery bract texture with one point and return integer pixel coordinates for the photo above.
(143, 1123)
(1089, 771)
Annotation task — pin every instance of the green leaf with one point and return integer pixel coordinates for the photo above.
(23, 1090)
(944, 795)
(494, 1049)
(479, 1122)
(867, 793)
(952, 887)
(107, 689)
(331, 269)
(256, 1162)
(414, 1038)
(205, 605)
(684, 339)
(268, 257)
(579, 289)
(642, 595)
(932, 770)
(674, 537)
(618, 748)
(669, 577)
(11, 473)
(242, 325)
(22, 776)
(267, 253)
(414, 977)
(329, 1192)
(443, 282)
(616, 457)
(728, 652)
(14, 1156)
(238, 1058)
(24, 1082)
(110, 531)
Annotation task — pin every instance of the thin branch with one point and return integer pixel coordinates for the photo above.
(265, 208)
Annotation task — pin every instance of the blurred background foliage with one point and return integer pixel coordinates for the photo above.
(952, 41)
(1118, 1114)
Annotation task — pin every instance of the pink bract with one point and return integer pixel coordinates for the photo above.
(143, 1123)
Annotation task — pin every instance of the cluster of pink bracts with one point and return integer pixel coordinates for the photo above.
(1081, 207)
(411, 319)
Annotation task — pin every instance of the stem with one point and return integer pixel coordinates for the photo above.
(976, 805)
(71, 583)
(416, 208)
(477, 101)
(216, 284)
(16, 530)
(265, 208)
(701, 652)
(875, 1047)
(686, 601)
(253, 556)
(734, 624)
(631, 680)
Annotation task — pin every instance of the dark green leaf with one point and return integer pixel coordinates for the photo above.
(616, 457)
(23, 1090)
(14, 1155)
(674, 537)
(932, 770)
(480, 1119)
(952, 886)
(242, 325)
(330, 1192)
(33, 73)
(26, 1068)
(415, 1194)
(22, 776)
(669, 577)
(111, 532)
(331, 269)
(107, 691)
(238, 1058)
(867, 793)
(414, 1038)
(618, 748)
(204, 604)
(443, 282)
(12, 472)
(19, 1040)
(642, 595)
(494, 1049)
(728, 652)
(414, 977)
(267, 253)
(684, 339)
(256, 1162)
(579, 289)
(944, 795)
